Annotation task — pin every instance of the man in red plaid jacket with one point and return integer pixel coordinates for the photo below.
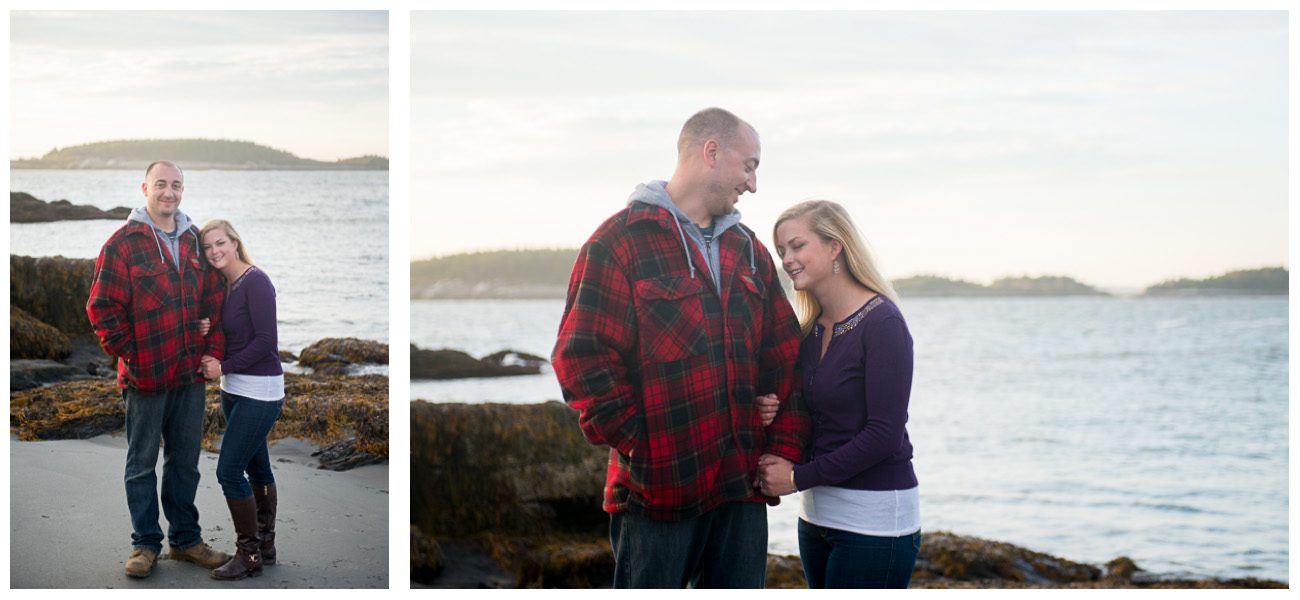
(152, 288)
(675, 324)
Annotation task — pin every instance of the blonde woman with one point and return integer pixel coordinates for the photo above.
(252, 393)
(859, 522)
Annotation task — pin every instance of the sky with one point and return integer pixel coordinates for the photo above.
(1118, 148)
(312, 83)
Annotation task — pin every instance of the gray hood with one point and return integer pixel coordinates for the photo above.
(183, 224)
(654, 193)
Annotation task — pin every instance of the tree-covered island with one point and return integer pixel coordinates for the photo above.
(1267, 281)
(192, 153)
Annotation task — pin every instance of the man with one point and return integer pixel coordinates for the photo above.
(152, 287)
(675, 324)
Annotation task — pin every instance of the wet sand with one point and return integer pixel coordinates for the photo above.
(69, 526)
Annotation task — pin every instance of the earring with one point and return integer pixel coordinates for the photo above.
(835, 266)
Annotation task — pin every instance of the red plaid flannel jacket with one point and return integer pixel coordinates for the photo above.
(665, 367)
(146, 312)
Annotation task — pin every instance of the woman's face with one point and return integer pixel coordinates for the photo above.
(219, 249)
(805, 257)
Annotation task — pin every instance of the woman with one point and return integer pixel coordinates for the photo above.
(252, 392)
(859, 522)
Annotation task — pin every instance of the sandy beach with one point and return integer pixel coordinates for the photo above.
(69, 527)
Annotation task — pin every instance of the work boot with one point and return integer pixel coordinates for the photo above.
(266, 501)
(202, 555)
(141, 562)
(247, 561)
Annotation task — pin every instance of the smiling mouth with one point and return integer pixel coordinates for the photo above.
(796, 272)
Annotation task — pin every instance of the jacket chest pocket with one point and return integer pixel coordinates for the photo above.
(151, 286)
(671, 320)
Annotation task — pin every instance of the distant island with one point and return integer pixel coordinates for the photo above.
(1050, 285)
(190, 154)
(521, 274)
(1267, 281)
(525, 274)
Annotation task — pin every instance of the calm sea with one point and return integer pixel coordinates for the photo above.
(1087, 428)
(322, 236)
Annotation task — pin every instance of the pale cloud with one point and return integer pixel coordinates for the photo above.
(975, 144)
(312, 83)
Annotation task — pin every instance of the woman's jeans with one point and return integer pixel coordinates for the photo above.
(175, 418)
(834, 558)
(243, 447)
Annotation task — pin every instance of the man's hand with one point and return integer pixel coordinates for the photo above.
(767, 406)
(209, 367)
(774, 475)
(205, 325)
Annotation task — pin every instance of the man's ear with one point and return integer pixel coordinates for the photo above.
(711, 150)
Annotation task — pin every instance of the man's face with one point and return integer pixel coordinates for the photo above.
(162, 191)
(735, 173)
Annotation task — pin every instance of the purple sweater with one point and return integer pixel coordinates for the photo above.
(248, 319)
(858, 395)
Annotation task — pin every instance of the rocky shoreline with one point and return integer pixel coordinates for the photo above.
(454, 364)
(506, 495)
(25, 208)
(63, 386)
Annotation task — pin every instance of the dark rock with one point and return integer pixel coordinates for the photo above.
(1121, 569)
(427, 561)
(24, 208)
(958, 557)
(582, 565)
(454, 364)
(342, 455)
(42, 372)
(54, 290)
(509, 469)
(287, 357)
(785, 572)
(30, 338)
(341, 352)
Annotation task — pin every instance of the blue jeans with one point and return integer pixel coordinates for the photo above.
(174, 418)
(833, 558)
(243, 447)
(723, 548)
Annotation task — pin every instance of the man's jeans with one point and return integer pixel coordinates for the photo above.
(723, 548)
(243, 447)
(175, 418)
(833, 558)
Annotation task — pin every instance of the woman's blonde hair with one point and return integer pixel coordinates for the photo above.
(230, 232)
(832, 223)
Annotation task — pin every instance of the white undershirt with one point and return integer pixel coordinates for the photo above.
(268, 388)
(888, 513)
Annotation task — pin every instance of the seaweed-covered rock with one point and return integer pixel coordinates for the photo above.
(25, 208)
(54, 290)
(342, 455)
(288, 357)
(567, 565)
(427, 561)
(785, 572)
(454, 364)
(30, 338)
(510, 469)
(321, 408)
(958, 557)
(341, 352)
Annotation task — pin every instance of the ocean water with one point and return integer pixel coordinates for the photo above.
(1087, 428)
(322, 236)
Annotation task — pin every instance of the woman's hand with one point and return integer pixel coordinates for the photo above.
(209, 368)
(767, 406)
(205, 325)
(775, 475)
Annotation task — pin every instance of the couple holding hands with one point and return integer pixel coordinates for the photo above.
(679, 349)
(178, 306)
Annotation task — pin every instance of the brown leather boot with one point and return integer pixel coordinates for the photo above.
(266, 502)
(248, 560)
